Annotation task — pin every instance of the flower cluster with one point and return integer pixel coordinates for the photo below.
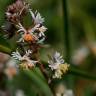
(57, 64)
(25, 61)
(34, 34)
(31, 39)
(16, 11)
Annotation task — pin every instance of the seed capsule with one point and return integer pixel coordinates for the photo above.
(15, 11)
(28, 37)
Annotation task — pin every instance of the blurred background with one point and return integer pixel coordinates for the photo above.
(71, 31)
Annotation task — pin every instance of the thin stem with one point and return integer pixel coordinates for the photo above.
(80, 73)
(66, 37)
(66, 30)
(5, 49)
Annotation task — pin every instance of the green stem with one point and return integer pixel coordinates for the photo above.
(67, 38)
(78, 72)
(40, 83)
(5, 49)
(66, 30)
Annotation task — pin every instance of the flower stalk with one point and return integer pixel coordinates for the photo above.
(80, 73)
(66, 30)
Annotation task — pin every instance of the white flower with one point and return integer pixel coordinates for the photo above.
(53, 65)
(58, 58)
(55, 61)
(21, 28)
(36, 17)
(20, 93)
(28, 52)
(16, 55)
(38, 35)
(22, 31)
(57, 65)
(41, 30)
(40, 27)
(62, 69)
(25, 59)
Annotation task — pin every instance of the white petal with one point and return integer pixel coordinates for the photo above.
(32, 14)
